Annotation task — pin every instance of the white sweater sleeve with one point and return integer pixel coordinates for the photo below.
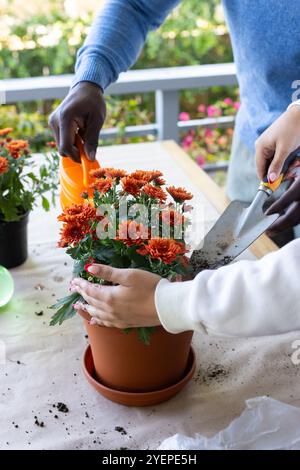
(248, 298)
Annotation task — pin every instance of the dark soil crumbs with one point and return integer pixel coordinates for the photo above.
(39, 423)
(121, 430)
(61, 407)
(214, 373)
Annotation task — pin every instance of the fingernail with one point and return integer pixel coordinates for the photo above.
(93, 322)
(272, 177)
(79, 306)
(72, 289)
(93, 269)
(87, 266)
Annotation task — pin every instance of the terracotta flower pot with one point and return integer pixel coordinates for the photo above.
(13, 242)
(124, 363)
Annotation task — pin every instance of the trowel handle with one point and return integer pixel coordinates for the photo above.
(288, 161)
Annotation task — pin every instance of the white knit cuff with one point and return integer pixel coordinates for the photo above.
(172, 301)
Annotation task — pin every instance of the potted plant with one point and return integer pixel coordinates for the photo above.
(129, 223)
(20, 188)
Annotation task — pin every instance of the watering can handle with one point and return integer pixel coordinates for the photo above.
(289, 160)
(85, 162)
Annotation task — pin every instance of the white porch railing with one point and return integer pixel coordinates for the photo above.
(165, 82)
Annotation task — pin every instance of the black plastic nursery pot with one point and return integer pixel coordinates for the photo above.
(13, 242)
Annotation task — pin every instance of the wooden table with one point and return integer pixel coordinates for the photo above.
(43, 364)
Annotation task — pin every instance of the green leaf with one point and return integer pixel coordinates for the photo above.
(144, 334)
(45, 203)
(127, 330)
(65, 308)
(78, 267)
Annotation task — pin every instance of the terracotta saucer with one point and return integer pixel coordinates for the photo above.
(137, 398)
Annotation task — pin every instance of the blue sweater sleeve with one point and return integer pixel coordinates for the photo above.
(116, 38)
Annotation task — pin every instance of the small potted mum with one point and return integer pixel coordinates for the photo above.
(131, 221)
(20, 188)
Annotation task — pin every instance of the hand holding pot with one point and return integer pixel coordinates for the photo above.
(83, 111)
(130, 303)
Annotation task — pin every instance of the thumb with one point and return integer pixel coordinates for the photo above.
(110, 274)
(91, 137)
(277, 164)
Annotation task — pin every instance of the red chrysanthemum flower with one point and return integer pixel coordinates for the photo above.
(154, 192)
(131, 185)
(163, 249)
(172, 217)
(179, 194)
(78, 213)
(4, 132)
(4, 165)
(72, 233)
(102, 185)
(132, 233)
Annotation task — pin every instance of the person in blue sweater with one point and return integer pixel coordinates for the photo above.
(265, 38)
(266, 44)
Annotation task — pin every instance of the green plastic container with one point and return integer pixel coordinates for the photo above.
(6, 286)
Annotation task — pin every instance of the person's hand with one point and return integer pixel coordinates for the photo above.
(83, 111)
(288, 205)
(128, 304)
(276, 143)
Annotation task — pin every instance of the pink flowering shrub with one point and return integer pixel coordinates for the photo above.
(210, 145)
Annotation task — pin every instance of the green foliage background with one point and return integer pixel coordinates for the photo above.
(46, 44)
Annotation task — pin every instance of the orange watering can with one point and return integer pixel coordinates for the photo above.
(74, 177)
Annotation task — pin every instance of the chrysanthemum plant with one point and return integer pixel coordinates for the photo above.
(21, 184)
(125, 221)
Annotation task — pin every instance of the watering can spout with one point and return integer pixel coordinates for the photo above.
(85, 162)
(75, 177)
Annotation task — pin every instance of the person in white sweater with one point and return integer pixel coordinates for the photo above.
(247, 298)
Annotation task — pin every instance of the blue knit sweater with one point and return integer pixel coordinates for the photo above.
(265, 37)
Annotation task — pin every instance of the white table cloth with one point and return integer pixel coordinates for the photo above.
(43, 363)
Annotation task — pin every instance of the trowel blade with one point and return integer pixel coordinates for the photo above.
(229, 237)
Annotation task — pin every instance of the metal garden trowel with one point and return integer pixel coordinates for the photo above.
(238, 227)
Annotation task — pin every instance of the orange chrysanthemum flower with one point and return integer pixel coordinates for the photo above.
(4, 132)
(156, 174)
(131, 185)
(17, 145)
(172, 217)
(72, 233)
(115, 173)
(98, 173)
(164, 249)
(102, 185)
(51, 144)
(132, 233)
(179, 194)
(3, 165)
(145, 175)
(78, 213)
(154, 192)
(159, 181)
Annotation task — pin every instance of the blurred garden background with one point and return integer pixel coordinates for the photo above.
(41, 38)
